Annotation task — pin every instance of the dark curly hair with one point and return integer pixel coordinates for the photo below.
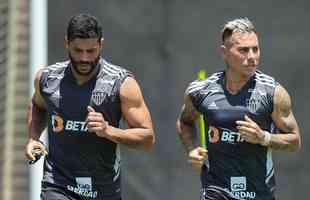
(84, 26)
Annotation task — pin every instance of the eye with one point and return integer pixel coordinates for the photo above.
(78, 50)
(244, 49)
(255, 49)
(91, 50)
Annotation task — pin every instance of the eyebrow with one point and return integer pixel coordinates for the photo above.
(87, 49)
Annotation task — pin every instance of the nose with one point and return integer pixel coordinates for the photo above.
(84, 59)
(84, 56)
(251, 54)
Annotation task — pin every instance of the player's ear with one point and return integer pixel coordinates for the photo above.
(66, 42)
(101, 42)
(222, 50)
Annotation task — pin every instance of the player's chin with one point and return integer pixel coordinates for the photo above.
(84, 70)
(250, 69)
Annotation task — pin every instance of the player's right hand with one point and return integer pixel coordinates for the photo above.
(96, 122)
(33, 145)
(197, 157)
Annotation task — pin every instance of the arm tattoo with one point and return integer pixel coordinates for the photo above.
(284, 111)
(187, 119)
(186, 126)
(288, 136)
(283, 103)
(283, 142)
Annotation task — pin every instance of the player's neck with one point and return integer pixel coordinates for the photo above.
(234, 82)
(81, 79)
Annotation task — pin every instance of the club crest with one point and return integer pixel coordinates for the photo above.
(98, 97)
(252, 104)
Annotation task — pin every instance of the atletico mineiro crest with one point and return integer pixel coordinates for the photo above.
(98, 97)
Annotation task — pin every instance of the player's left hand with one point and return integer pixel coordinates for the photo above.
(197, 156)
(96, 122)
(250, 131)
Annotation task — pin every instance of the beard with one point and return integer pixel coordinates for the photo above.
(75, 64)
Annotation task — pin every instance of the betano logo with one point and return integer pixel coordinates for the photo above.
(58, 124)
(214, 134)
(224, 135)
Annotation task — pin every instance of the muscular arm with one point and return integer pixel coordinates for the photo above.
(140, 134)
(37, 117)
(185, 127)
(36, 121)
(185, 124)
(288, 137)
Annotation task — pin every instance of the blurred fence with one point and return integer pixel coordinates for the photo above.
(14, 87)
